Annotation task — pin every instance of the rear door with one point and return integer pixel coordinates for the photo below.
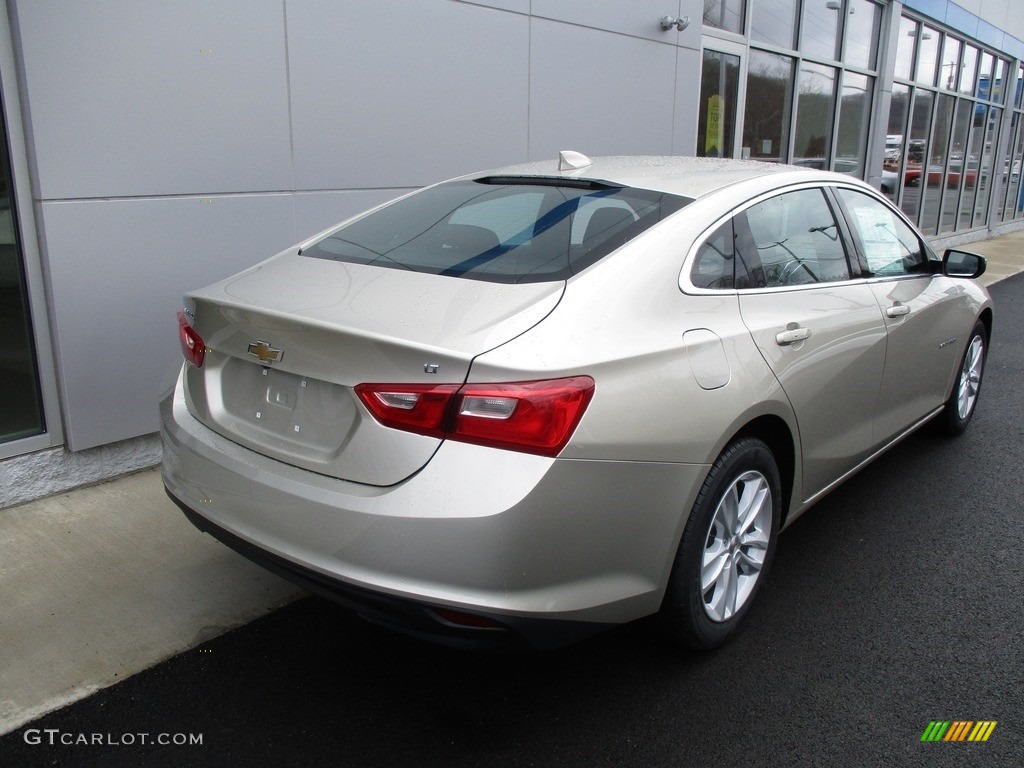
(821, 333)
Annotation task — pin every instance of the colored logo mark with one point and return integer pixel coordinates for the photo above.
(958, 730)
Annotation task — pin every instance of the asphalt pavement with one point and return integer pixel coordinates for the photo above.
(894, 603)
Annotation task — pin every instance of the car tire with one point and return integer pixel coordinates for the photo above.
(724, 557)
(963, 400)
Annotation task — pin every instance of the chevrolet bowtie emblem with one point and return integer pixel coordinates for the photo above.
(264, 352)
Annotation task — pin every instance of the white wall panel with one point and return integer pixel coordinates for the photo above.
(636, 17)
(399, 94)
(599, 93)
(144, 97)
(518, 6)
(317, 211)
(117, 271)
(687, 89)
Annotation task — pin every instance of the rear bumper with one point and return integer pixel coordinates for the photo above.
(550, 549)
(419, 619)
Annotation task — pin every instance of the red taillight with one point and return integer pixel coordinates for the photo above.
(415, 408)
(532, 416)
(192, 346)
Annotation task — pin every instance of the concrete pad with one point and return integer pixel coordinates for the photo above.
(103, 582)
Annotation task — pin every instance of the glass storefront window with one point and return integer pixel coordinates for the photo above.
(989, 130)
(724, 14)
(927, 56)
(862, 30)
(895, 147)
(854, 117)
(717, 118)
(999, 80)
(22, 412)
(1003, 182)
(917, 147)
(935, 162)
(984, 90)
(949, 69)
(774, 21)
(905, 49)
(970, 68)
(949, 175)
(769, 100)
(815, 107)
(820, 29)
(957, 164)
(1013, 200)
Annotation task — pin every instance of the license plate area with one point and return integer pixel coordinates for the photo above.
(285, 414)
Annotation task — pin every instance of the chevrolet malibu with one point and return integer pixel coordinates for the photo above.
(525, 405)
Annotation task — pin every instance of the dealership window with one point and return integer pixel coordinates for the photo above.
(817, 96)
(769, 104)
(906, 44)
(854, 120)
(22, 413)
(717, 118)
(805, 78)
(1010, 189)
(927, 55)
(724, 14)
(774, 22)
(932, 169)
(863, 23)
(819, 31)
(943, 130)
(958, 151)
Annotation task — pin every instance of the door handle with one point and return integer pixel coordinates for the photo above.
(897, 310)
(791, 336)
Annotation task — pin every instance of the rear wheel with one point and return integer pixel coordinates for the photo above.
(964, 397)
(726, 549)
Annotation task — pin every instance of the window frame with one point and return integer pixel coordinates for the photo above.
(854, 248)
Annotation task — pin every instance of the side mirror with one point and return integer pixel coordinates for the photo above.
(962, 264)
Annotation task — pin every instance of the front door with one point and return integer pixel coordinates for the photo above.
(922, 311)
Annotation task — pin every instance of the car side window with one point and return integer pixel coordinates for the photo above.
(889, 246)
(713, 267)
(797, 240)
(720, 263)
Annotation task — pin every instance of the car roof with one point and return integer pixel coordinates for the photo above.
(690, 177)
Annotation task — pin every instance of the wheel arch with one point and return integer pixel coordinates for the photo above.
(775, 433)
(986, 319)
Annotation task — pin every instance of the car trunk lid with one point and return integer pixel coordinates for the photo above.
(288, 340)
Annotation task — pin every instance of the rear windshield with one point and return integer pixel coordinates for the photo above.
(500, 229)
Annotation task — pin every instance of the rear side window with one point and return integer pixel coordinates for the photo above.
(888, 245)
(714, 265)
(797, 240)
(506, 230)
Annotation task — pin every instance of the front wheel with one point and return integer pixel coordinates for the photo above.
(964, 398)
(726, 549)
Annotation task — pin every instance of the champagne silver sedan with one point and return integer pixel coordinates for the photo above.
(528, 404)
